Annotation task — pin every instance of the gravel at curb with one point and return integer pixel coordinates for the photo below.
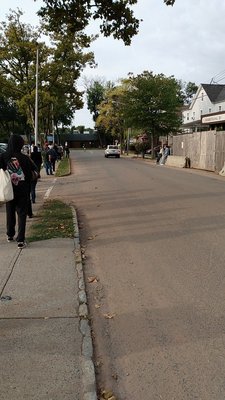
(88, 370)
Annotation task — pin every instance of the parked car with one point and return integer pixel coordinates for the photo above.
(112, 151)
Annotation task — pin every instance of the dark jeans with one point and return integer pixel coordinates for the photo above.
(159, 155)
(19, 206)
(33, 190)
(48, 167)
(53, 161)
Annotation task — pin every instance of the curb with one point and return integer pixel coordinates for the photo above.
(88, 370)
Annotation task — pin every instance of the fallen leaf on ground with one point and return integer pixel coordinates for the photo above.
(92, 237)
(106, 394)
(115, 376)
(97, 306)
(109, 316)
(98, 364)
(92, 279)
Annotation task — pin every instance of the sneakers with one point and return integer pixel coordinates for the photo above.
(21, 245)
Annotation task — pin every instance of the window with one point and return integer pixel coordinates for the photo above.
(187, 116)
(210, 110)
(193, 115)
(220, 108)
(202, 96)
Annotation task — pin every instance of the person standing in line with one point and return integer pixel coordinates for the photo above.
(67, 151)
(46, 160)
(20, 168)
(52, 156)
(37, 159)
(60, 152)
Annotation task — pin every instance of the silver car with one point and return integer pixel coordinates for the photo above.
(112, 151)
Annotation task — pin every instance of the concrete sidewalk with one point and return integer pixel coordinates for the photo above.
(45, 341)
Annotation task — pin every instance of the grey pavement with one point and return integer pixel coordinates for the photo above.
(45, 340)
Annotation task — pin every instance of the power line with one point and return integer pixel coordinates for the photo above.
(218, 77)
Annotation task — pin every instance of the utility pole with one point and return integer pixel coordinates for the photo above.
(36, 101)
(128, 139)
(53, 130)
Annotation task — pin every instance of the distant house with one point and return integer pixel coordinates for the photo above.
(207, 110)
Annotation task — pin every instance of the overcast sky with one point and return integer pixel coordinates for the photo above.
(186, 40)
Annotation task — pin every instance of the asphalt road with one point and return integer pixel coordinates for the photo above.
(154, 240)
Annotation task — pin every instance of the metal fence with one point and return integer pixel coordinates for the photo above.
(206, 150)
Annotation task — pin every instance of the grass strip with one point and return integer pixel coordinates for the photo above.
(63, 167)
(54, 220)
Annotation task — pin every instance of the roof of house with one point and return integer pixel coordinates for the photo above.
(80, 137)
(216, 93)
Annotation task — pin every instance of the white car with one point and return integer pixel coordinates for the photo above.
(112, 151)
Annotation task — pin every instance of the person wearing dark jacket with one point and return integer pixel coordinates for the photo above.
(20, 168)
(37, 159)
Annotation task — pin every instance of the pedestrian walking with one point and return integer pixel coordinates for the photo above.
(20, 168)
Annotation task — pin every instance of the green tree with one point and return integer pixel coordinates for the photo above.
(141, 147)
(110, 118)
(152, 104)
(60, 74)
(116, 17)
(11, 121)
(59, 68)
(95, 94)
(189, 91)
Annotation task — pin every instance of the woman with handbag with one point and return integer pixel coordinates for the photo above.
(20, 168)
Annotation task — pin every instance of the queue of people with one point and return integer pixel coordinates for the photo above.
(21, 168)
(24, 165)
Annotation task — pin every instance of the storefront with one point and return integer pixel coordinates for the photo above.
(214, 120)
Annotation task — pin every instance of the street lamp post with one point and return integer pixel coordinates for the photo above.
(53, 128)
(36, 102)
(128, 139)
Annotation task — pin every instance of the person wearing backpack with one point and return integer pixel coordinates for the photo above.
(20, 168)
